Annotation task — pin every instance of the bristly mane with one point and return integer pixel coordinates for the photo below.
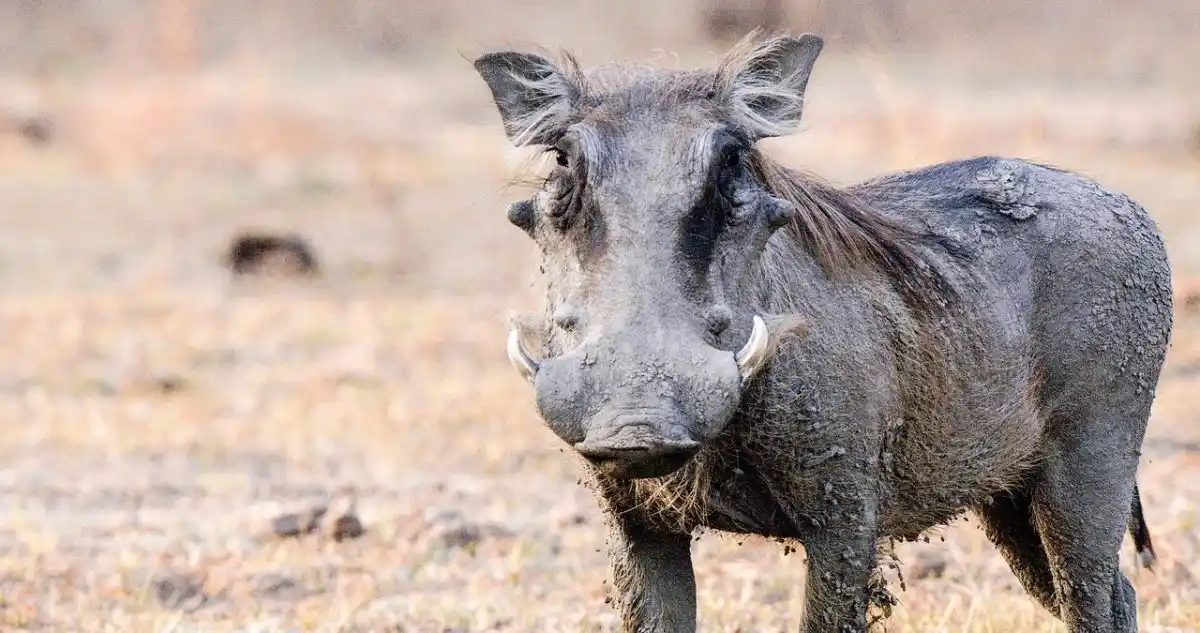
(845, 235)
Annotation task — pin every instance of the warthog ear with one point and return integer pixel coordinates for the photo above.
(535, 97)
(765, 82)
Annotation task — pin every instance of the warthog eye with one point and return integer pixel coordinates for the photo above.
(564, 184)
(731, 160)
(730, 179)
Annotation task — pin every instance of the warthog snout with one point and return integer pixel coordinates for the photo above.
(637, 405)
(639, 445)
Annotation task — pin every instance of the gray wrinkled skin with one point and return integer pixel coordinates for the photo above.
(983, 335)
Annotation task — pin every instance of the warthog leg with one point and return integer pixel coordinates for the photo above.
(653, 577)
(1008, 522)
(838, 587)
(1081, 510)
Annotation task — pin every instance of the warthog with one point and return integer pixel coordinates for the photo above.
(737, 346)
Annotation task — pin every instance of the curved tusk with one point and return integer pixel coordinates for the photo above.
(521, 361)
(753, 355)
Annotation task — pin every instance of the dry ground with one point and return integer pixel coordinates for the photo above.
(157, 414)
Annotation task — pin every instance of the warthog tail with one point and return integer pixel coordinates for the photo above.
(1140, 533)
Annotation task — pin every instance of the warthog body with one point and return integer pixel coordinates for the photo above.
(737, 346)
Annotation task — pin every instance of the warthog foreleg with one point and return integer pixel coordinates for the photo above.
(838, 586)
(653, 578)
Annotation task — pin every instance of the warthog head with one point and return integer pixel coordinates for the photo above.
(650, 227)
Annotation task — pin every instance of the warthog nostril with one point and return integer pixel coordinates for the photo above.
(567, 318)
(718, 318)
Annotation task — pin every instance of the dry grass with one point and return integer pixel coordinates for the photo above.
(158, 414)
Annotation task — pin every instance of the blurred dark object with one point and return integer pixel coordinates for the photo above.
(180, 592)
(38, 130)
(297, 524)
(336, 517)
(344, 506)
(347, 526)
(261, 254)
(170, 383)
(731, 19)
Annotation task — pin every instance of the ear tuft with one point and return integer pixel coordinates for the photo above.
(765, 82)
(535, 97)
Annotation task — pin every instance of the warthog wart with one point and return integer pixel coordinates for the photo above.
(734, 345)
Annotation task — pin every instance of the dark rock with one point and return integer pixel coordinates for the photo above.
(264, 254)
(179, 592)
(298, 523)
(38, 130)
(278, 587)
(346, 527)
(170, 383)
(465, 535)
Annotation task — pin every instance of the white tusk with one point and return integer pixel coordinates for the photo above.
(753, 355)
(524, 365)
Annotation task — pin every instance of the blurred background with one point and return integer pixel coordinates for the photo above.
(254, 264)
